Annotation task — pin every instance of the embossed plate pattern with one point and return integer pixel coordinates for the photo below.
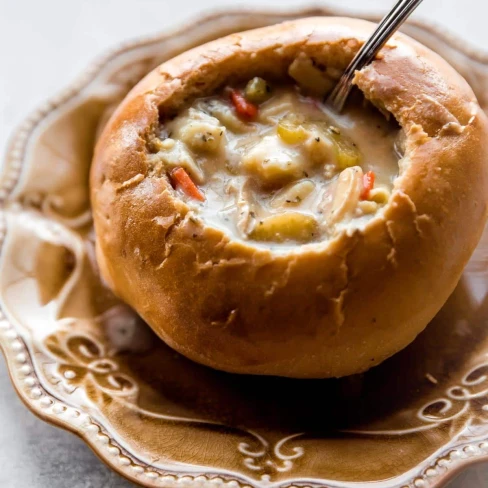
(80, 359)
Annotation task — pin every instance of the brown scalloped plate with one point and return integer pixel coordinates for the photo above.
(82, 360)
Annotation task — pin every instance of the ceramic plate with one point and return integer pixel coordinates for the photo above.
(80, 359)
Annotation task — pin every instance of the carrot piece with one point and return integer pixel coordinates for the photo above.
(368, 184)
(181, 178)
(243, 108)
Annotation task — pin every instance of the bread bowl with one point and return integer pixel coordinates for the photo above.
(336, 297)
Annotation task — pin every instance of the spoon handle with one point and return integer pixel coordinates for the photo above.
(385, 29)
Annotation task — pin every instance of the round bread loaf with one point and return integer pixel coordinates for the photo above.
(323, 309)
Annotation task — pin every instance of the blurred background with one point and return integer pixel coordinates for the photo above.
(44, 45)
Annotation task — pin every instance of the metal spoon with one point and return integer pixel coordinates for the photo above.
(386, 28)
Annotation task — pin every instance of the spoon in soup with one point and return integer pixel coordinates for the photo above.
(390, 23)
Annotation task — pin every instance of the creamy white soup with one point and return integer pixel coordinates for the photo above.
(270, 163)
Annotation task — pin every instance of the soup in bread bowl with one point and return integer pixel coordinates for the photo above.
(256, 231)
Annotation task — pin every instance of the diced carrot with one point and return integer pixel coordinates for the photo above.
(243, 108)
(180, 178)
(368, 184)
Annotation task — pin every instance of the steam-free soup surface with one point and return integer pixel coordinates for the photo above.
(271, 164)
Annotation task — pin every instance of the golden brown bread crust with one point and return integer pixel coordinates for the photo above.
(328, 309)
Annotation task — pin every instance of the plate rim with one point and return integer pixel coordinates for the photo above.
(16, 352)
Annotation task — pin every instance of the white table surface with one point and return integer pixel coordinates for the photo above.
(43, 46)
